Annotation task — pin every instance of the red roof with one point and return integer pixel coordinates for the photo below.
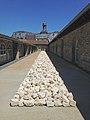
(37, 42)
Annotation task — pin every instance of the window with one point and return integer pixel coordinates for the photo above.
(2, 49)
(20, 34)
(9, 46)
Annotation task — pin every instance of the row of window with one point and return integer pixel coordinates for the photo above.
(21, 38)
(2, 49)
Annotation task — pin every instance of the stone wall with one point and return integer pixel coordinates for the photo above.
(21, 49)
(82, 47)
(74, 46)
(6, 54)
(11, 49)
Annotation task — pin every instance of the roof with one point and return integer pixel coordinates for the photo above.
(22, 32)
(37, 42)
(5, 37)
(43, 32)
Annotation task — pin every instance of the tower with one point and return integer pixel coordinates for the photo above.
(44, 31)
(44, 26)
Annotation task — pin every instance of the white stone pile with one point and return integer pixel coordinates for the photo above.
(43, 86)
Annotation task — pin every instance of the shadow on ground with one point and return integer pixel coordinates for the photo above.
(77, 81)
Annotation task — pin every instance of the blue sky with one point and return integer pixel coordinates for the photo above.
(28, 15)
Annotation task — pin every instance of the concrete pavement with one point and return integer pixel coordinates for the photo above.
(10, 79)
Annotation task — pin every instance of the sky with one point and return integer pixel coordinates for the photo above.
(28, 15)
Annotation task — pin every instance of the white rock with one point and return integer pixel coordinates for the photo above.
(58, 96)
(70, 96)
(29, 103)
(24, 83)
(73, 103)
(50, 99)
(61, 83)
(65, 99)
(50, 103)
(25, 92)
(40, 102)
(26, 97)
(21, 104)
(21, 94)
(48, 94)
(20, 88)
(14, 102)
(31, 71)
(43, 86)
(36, 88)
(58, 103)
(34, 95)
(16, 96)
(27, 79)
(32, 88)
(55, 91)
(41, 94)
(65, 104)
(63, 89)
(26, 89)
(59, 79)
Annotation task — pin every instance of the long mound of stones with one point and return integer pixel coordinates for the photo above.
(43, 86)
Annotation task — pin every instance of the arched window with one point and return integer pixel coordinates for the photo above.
(9, 46)
(2, 49)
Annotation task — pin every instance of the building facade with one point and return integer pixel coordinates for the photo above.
(23, 35)
(13, 49)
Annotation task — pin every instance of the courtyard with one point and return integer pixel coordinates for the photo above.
(75, 79)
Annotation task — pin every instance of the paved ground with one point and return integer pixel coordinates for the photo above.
(13, 75)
